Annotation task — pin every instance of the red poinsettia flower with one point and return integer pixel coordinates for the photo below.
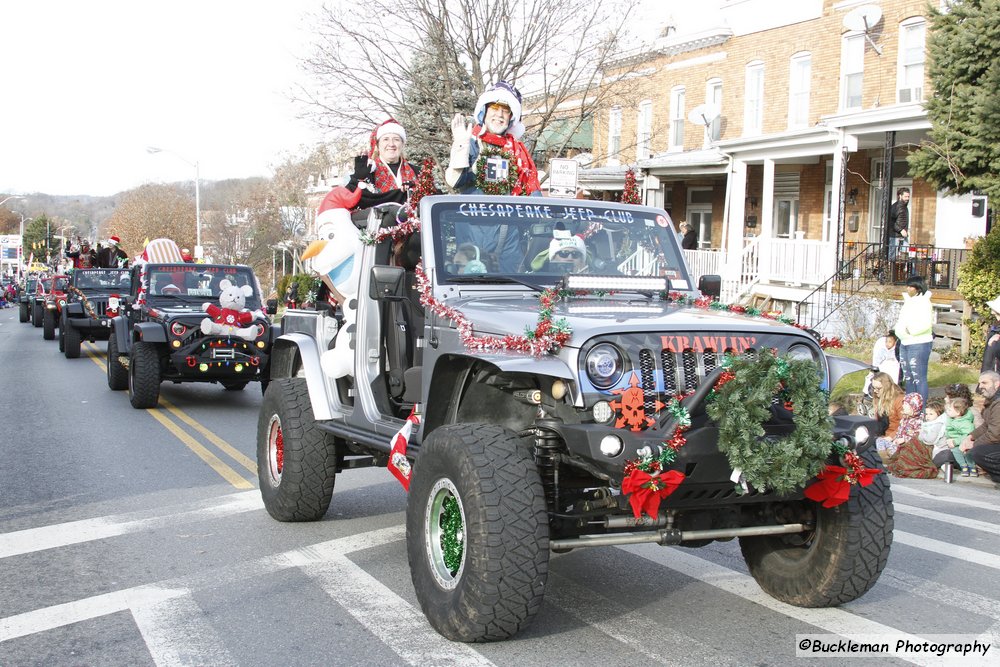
(830, 488)
(648, 490)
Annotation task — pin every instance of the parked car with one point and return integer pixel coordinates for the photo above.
(168, 332)
(94, 298)
(538, 379)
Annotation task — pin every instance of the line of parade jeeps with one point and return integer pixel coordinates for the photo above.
(162, 321)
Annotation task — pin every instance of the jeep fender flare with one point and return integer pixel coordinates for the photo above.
(450, 368)
(121, 335)
(73, 308)
(149, 332)
(296, 355)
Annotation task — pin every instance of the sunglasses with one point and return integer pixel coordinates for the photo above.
(499, 107)
(568, 254)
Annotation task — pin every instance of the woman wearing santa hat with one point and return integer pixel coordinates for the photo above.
(383, 175)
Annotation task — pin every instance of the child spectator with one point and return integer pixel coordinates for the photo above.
(932, 430)
(960, 424)
(887, 404)
(912, 458)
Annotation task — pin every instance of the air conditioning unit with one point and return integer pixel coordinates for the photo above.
(911, 94)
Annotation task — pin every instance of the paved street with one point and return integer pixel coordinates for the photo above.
(134, 537)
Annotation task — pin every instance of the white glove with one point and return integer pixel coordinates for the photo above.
(461, 131)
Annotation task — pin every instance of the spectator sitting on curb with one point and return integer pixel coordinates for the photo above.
(984, 442)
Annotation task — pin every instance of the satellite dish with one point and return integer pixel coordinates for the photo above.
(703, 114)
(863, 18)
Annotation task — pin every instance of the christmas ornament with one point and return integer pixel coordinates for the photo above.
(744, 403)
(632, 407)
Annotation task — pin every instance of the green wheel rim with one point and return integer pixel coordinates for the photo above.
(445, 530)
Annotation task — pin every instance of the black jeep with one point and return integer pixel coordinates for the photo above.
(26, 298)
(159, 335)
(93, 298)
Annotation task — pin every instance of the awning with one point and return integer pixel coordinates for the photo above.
(566, 133)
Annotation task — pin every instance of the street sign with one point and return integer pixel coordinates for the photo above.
(563, 177)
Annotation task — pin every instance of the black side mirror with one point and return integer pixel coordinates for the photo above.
(710, 285)
(386, 283)
(271, 308)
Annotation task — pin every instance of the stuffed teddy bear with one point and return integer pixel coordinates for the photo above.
(230, 316)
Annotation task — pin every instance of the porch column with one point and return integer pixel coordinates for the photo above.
(766, 224)
(732, 243)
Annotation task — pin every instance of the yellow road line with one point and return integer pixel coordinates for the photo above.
(228, 473)
(201, 452)
(236, 454)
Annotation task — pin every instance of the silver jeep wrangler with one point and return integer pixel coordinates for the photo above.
(521, 454)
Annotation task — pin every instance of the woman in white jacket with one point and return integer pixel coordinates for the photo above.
(914, 329)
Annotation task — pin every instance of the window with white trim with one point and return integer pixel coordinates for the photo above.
(713, 97)
(614, 134)
(676, 119)
(852, 70)
(753, 111)
(799, 76)
(643, 129)
(910, 74)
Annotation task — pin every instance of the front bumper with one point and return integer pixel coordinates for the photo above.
(208, 359)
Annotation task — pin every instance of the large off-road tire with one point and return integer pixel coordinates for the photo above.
(296, 461)
(48, 324)
(61, 337)
(234, 385)
(23, 314)
(70, 336)
(117, 373)
(836, 563)
(477, 536)
(144, 376)
(36, 314)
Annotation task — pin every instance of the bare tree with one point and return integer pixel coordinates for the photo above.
(383, 58)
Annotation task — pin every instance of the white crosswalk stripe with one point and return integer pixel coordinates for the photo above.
(177, 631)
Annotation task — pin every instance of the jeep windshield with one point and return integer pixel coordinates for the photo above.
(537, 241)
(196, 283)
(110, 280)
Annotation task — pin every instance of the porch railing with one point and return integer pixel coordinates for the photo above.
(870, 263)
(742, 272)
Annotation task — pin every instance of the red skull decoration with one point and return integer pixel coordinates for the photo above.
(632, 407)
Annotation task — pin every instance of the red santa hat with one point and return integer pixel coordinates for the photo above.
(339, 197)
(114, 240)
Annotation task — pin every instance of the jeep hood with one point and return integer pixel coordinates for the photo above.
(592, 316)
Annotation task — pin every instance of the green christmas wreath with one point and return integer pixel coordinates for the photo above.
(504, 187)
(742, 404)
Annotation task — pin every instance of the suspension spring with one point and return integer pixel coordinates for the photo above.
(548, 443)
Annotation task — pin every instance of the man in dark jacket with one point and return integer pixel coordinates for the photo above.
(111, 256)
(984, 442)
(899, 222)
(689, 237)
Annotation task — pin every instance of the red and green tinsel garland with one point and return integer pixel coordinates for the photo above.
(404, 228)
(504, 187)
(630, 195)
(548, 337)
(87, 306)
(707, 303)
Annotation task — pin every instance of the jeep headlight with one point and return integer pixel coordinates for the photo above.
(605, 365)
(802, 352)
(62, 302)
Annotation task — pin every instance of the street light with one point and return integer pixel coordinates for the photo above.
(198, 253)
(7, 199)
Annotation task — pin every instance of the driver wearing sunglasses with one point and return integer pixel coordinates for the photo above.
(567, 253)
